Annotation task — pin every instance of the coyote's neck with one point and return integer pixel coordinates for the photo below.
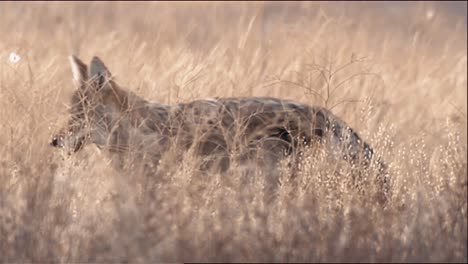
(132, 122)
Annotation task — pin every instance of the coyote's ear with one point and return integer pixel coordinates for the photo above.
(99, 74)
(79, 71)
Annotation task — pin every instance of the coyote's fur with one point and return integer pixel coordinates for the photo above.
(118, 121)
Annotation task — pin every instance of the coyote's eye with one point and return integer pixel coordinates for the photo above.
(79, 144)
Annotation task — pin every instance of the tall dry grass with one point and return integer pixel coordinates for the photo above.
(398, 76)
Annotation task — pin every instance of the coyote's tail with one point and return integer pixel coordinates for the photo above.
(344, 141)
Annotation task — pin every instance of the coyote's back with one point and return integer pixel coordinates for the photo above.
(219, 131)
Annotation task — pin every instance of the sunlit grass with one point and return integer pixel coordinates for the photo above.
(401, 83)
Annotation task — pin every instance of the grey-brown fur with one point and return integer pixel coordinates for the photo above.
(118, 121)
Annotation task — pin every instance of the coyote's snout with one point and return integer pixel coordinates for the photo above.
(118, 121)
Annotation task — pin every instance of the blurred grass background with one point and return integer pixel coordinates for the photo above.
(396, 72)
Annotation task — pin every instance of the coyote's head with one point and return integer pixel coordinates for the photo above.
(94, 102)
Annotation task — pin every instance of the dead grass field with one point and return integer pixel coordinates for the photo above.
(399, 79)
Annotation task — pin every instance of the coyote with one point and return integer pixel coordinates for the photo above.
(118, 121)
